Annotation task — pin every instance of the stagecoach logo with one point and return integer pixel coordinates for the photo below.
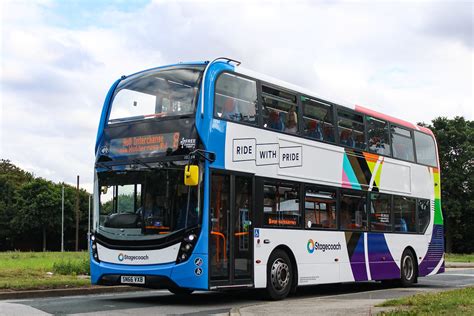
(187, 143)
(311, 246)
(122, 257)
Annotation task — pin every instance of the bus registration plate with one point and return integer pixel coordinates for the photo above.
(132, 279)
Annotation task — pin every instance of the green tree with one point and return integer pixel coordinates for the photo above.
(455, 139)
(11, 179)
(38, 207)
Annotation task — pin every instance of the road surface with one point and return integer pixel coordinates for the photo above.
(336, 299)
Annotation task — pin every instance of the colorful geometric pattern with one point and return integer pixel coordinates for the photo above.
(436, 247)
(434, 254)
(438, 220)
(361, 170)
(355, 248)
(381, 262)
(379, 259)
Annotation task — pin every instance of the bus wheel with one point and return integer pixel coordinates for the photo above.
(180, 291)
(279, 275)
(408, 273)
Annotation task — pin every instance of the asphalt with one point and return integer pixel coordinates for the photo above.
(336, 299)
(13, 294)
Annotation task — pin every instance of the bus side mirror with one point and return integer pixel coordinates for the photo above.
(191, 175)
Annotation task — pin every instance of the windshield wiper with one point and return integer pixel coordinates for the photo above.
(207, 155)
(140, 162)
(103, 165)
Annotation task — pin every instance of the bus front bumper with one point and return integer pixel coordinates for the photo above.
(187, 274)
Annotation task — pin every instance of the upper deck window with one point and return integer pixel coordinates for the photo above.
(280, 110)
(425, 149)
(378, 135)
(402, 144)
(156, 93)
(351, 129)
(317, 120)
(236, 99)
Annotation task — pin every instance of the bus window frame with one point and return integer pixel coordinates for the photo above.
(331, 109)
(303, 206)
(418, 216)
(297, 104)
(336, 124)
(435, 148)
(412, 142)
(415, 232)
(257, 112)
(389, 135)
(261, 181)
(199, 86)
(334, 106)
(369, 201)
(338, 209)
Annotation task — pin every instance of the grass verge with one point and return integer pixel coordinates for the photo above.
(43, 270)
(455, 257)
(455, 302)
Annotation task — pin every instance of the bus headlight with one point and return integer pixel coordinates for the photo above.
(95, 255)
(187, 246)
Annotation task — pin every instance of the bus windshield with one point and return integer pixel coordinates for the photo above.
(156, 93)
(144, 203)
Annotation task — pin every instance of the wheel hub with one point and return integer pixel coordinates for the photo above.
(408, 267)
(280, 274)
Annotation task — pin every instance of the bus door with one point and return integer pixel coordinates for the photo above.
(231, 238)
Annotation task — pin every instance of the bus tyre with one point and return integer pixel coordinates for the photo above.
(408, 273)
(180, 291)
(279, 275)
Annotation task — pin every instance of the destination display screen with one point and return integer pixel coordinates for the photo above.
(144, 145)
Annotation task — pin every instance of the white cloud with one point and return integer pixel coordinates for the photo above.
(411, 60)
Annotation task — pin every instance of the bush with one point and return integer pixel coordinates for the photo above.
(72, 267)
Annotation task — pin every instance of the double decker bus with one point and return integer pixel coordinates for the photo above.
(209, 176)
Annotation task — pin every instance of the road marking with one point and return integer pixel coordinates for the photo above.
(459, 274)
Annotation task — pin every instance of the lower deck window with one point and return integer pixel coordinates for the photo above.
(353, 211)
(320, 208)
(380, 212)
(281, 205)
(424, 210)
(404, 212)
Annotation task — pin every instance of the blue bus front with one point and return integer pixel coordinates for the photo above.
(148, 226)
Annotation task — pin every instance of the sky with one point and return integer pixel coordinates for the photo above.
(410, 59)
